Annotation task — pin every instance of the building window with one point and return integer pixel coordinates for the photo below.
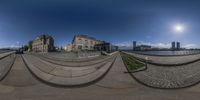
(79, 47)
(86, 41)
(86, 46)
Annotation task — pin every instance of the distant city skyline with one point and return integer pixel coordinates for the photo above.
(167, 45)
(119, 22)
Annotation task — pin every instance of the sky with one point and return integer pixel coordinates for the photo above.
(120, 22)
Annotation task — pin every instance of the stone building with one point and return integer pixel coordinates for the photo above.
(68, 48)
(84, 42)
(43, 43)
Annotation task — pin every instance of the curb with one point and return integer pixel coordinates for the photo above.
(166, 65)
(9, 69)
(164, 55)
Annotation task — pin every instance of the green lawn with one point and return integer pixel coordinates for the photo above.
(131, 62)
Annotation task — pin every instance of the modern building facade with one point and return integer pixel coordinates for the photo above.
(105, 46)
(84, 42)
(134, 45)
(178, 45)
(43, 43)
(173, 45)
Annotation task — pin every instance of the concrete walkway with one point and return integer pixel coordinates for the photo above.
(75, 63)
(117, 78)
(168, 60)
(170, 77)
(19, 75)
(70, 56)
(111, 87)
(5, 54)
(6, 64)
(61, 75)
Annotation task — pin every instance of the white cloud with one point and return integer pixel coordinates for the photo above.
(124, 44)
(188, 46)
(161, 45)
(14, 45)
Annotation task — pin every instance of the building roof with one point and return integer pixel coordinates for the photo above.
(85, 36)
(43, 36)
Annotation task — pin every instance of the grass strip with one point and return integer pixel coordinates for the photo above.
(131, 62)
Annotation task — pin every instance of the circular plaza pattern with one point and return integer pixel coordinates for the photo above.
(169, 76)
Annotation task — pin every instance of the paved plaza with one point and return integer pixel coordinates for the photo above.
(21, 83)
(68, 74)
(175, 74)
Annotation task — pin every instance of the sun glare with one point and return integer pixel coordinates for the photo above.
(178, 28)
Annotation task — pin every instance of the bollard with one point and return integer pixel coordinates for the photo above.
(146, 59)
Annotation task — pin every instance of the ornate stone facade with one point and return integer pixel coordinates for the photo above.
(84, 42)
(43, 43)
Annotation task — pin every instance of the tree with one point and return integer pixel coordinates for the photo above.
(25, 47)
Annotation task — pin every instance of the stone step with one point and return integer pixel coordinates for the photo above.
(77, 64)
(66, 77)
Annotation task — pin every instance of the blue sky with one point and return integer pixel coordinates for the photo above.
(117, 21)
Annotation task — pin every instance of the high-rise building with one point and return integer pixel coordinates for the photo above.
(178, 46)
(134, 45)
(173, 46)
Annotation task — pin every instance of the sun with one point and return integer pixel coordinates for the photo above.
(178, 28)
